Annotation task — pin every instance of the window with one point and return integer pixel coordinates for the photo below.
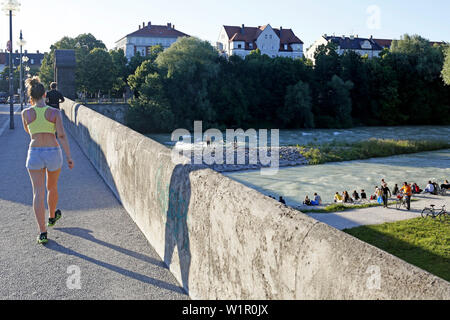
(32, 61)
(250, 45)
(239, 46)
(270, 36)
(266, 36)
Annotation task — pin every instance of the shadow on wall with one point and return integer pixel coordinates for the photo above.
(174, 201)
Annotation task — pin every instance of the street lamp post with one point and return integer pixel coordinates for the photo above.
(11, 6)
(26, 68)
(21, 43)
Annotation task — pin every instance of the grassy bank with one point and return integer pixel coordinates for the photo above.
(340, 207)
(421, 242)
(372, 148)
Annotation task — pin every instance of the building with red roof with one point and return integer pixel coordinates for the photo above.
(147, 36)
(235, 40)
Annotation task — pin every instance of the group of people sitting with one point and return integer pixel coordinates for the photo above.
(381, 194)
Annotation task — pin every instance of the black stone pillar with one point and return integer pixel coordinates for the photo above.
(65, 72)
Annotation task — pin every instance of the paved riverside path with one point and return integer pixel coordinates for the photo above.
(95, 236)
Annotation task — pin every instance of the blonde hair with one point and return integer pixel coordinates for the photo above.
(35, 89)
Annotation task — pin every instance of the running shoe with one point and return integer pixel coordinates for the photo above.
(52, 221)
(42, 238)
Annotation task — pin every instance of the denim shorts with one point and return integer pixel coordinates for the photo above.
(48, 157)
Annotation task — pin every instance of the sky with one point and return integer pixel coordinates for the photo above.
(46, 21)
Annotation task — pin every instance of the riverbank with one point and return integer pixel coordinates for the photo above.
(372, 148)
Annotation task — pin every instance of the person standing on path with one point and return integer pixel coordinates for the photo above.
(385, 194)
(54, 97)
(408, 193)
(44, 158)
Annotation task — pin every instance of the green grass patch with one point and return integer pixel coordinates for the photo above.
(372, 148)
(339, 207)
(421, 242)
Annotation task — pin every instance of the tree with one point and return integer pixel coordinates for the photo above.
(188, 66)
(446, 68)
(120, 71)
(297, 107)
(136, 80)
(98, 72)
(82, 44)
(151, 112)
(340, 101)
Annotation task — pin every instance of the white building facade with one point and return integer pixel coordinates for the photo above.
(147, 36)
(362, 46)
(235, 40)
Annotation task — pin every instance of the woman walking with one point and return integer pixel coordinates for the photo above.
(41, 122)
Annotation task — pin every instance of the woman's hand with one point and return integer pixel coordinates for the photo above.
(70, 163)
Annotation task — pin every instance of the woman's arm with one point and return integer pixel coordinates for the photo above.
(63, 139)
(24, 122)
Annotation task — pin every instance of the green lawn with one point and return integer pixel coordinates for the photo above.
(421, 242)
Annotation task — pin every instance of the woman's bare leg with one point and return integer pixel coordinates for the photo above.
(52, 189)
(38, 182)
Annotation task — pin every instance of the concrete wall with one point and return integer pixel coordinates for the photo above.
(223, 240)
(115, 112)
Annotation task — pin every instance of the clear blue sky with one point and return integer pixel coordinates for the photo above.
(46, 21)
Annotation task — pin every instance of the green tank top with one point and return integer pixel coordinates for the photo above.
(41, 124)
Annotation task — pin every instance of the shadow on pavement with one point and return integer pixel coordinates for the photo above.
(53, 245)
(87, 235)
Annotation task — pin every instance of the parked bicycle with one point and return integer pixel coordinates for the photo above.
(433, 213)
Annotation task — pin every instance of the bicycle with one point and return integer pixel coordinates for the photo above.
(431, 212)
(400, 202)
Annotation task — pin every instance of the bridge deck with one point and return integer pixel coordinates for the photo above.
(95, 234)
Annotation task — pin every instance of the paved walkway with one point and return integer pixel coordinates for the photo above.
(95, 236)
(379, 215)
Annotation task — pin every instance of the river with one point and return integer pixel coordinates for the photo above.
(295, 183)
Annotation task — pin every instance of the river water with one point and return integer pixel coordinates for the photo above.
(295, 183)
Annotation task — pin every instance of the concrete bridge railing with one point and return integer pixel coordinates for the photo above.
(223, 240)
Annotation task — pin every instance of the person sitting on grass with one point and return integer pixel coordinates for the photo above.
(445, 185)
(338, 198)
(317, 200)
(363, 195)
(347, 198)
(429, 188)
(307, 201)
(355, 195)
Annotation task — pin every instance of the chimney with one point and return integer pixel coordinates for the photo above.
(26, 51)
(242, 28)
(149, 24)
(37, 51)
(281, 28)
(139, 26)
(143, 24)
(169, 25)
(173, 27)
